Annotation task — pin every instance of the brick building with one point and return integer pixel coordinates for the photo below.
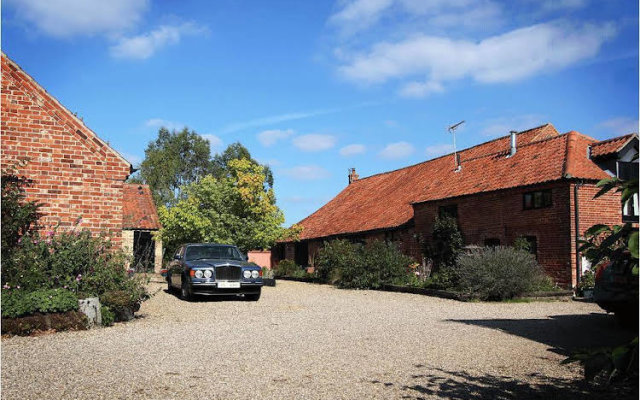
(536, 184)
(75, 173)
(139, 222)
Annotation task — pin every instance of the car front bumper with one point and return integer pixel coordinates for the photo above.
(212, 289)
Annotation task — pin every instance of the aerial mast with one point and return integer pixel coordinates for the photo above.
(452, 130)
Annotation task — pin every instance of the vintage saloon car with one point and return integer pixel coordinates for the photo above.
(213, 269)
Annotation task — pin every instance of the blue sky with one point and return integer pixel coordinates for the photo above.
(316, 87)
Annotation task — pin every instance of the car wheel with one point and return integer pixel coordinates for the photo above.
(253, 297)
(185, 292)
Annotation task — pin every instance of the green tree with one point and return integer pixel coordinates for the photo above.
(236, 151)
(172, 161)
(238, 208)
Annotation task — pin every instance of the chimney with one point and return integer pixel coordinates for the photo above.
(513, 143)
(352, 175)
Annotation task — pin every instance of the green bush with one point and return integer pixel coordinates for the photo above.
(17, 302)
(122, 303)
(108, 317)
(19, 216)
(499, 273)
(70, 260)
(286, 268)
(333, 257)
(359, 266)
(587, 281)
(446, 243)
(445, 279)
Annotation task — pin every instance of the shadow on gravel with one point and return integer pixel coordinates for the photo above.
(206, 299)
(563, 333)
(440, 383)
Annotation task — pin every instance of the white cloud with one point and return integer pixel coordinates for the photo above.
(502, 126)
(314, 142)
(159, 123)
(359, 14)
(215, 143)
(438, 150)
(511, 56)
(352, 150)
(270, 137)
(68, 18)
(397, 150)
(619, 126)
(145, 45)
(421, 89)
(306, 172)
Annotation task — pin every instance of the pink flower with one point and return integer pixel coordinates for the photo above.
(18, 287)
(78, 277)
(50, 233)
(6, 286)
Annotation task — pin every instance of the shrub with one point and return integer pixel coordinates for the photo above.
(286, 268)
(499, 273)
(333, 257)
(70, 260)
(122, 303)
(351, 265)
(587, 281)
(70, 320)
(108, 317)
(445, 279)
(267, 273)
(19, 216)
(17, 303)
(446, 243)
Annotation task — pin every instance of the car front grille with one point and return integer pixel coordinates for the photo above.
(228, 273)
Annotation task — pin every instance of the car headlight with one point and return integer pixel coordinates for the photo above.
(255, 274)
(246, 274)
(199, 274)
(208, 273)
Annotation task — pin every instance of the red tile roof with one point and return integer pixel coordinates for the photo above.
(139, 211)
(610, 146)
(385, 200)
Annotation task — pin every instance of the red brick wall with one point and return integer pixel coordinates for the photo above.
(75, 173)
(500, 215)
(606, 210)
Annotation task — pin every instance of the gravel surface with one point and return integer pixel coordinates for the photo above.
(313, 341)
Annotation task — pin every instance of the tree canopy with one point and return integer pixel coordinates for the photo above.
(236, 151)
(172, 161)
(235, 209)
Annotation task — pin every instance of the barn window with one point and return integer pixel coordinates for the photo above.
(537, 199)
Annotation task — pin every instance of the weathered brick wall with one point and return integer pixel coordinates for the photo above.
(500, 215)
(75, 174)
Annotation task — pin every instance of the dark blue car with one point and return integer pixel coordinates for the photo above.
(213, 269)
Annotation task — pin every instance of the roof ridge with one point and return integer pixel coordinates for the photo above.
(519, 147)
(598, 142)
(55, 101)
(464, 150)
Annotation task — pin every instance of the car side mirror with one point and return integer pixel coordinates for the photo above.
(246, 257)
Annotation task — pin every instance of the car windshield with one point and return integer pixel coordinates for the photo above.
(205, 252)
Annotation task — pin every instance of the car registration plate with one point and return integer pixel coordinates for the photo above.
(229, 285)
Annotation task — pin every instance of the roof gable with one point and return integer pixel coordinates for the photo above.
(611, 146)
(385, 200)
(49, 104)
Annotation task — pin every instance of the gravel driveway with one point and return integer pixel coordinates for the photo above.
(313, 341)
